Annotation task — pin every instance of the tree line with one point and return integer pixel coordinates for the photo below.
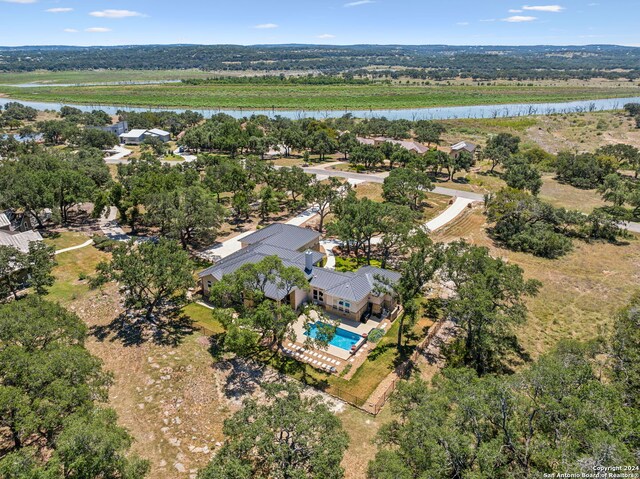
(433, 61)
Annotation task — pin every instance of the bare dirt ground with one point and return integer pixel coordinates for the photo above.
(431, 360)
(174, 398)
(583, 132)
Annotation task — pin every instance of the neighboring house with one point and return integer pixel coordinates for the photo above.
(117, 128)
(463, 146)
(409, 145)
(165, 136)
(16, 235)
(133, 137)
(137, 136)
(36, 137)
(352, 296)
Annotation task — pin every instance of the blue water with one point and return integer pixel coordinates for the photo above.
(343, 339)
(443, 113)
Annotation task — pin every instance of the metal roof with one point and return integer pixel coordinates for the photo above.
(282, 240)
(464, 145)
(159, 132)
(282, 235)
(19, 240)
(133, 134)
(254, 254)
(351, 286)
(4, 220)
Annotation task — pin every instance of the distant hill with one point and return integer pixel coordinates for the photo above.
(420, 61)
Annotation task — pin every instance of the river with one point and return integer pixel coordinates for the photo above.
(440, 113)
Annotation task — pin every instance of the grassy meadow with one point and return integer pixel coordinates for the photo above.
(311, 97)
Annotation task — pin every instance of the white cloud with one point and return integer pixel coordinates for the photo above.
(266, 26)
(326, 36)
(515, 10)
(358, 3)
(485, 20)
(59, 10)
(544, 8)
(20, 1)
(98, 30)
(115, 14)
(70, 30)
(519, 19)
(462, 24)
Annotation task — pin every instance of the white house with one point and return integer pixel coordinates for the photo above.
(137, 136)
(133, 137)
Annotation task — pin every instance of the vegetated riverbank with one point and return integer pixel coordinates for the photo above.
(312, 97)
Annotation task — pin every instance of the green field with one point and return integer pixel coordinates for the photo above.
(311, 97)
(45, 77)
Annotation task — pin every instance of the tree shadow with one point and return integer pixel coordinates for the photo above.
(246, 377)
(134, 330)
(461, 180)
(493, 174)
(49, 234)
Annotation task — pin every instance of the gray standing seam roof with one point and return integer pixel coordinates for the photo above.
(282, 235)
(19, 240)
(284, 241)
(350, 286)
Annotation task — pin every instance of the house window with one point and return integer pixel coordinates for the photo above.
(343, 306)
(318, 296)
(209, 284)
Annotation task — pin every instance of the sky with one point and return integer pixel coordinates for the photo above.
(340, 22)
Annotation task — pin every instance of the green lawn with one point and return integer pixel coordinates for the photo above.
(202, 316)
(313, 97)
(71, 266)
(65, 239)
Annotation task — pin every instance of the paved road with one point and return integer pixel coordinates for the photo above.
(121, 154)
(379, 178)
(110, 227)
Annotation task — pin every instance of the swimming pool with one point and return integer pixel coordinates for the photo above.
(343, 339)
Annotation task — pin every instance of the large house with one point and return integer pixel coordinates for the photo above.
(17, 234)
(355, 296)
(116, 128)
(137, 136)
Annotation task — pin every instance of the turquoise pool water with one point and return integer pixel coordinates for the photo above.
(343, 339)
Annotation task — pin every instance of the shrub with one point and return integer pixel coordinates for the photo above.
(376, 335)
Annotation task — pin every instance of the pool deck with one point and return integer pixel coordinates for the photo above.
(332, 356)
